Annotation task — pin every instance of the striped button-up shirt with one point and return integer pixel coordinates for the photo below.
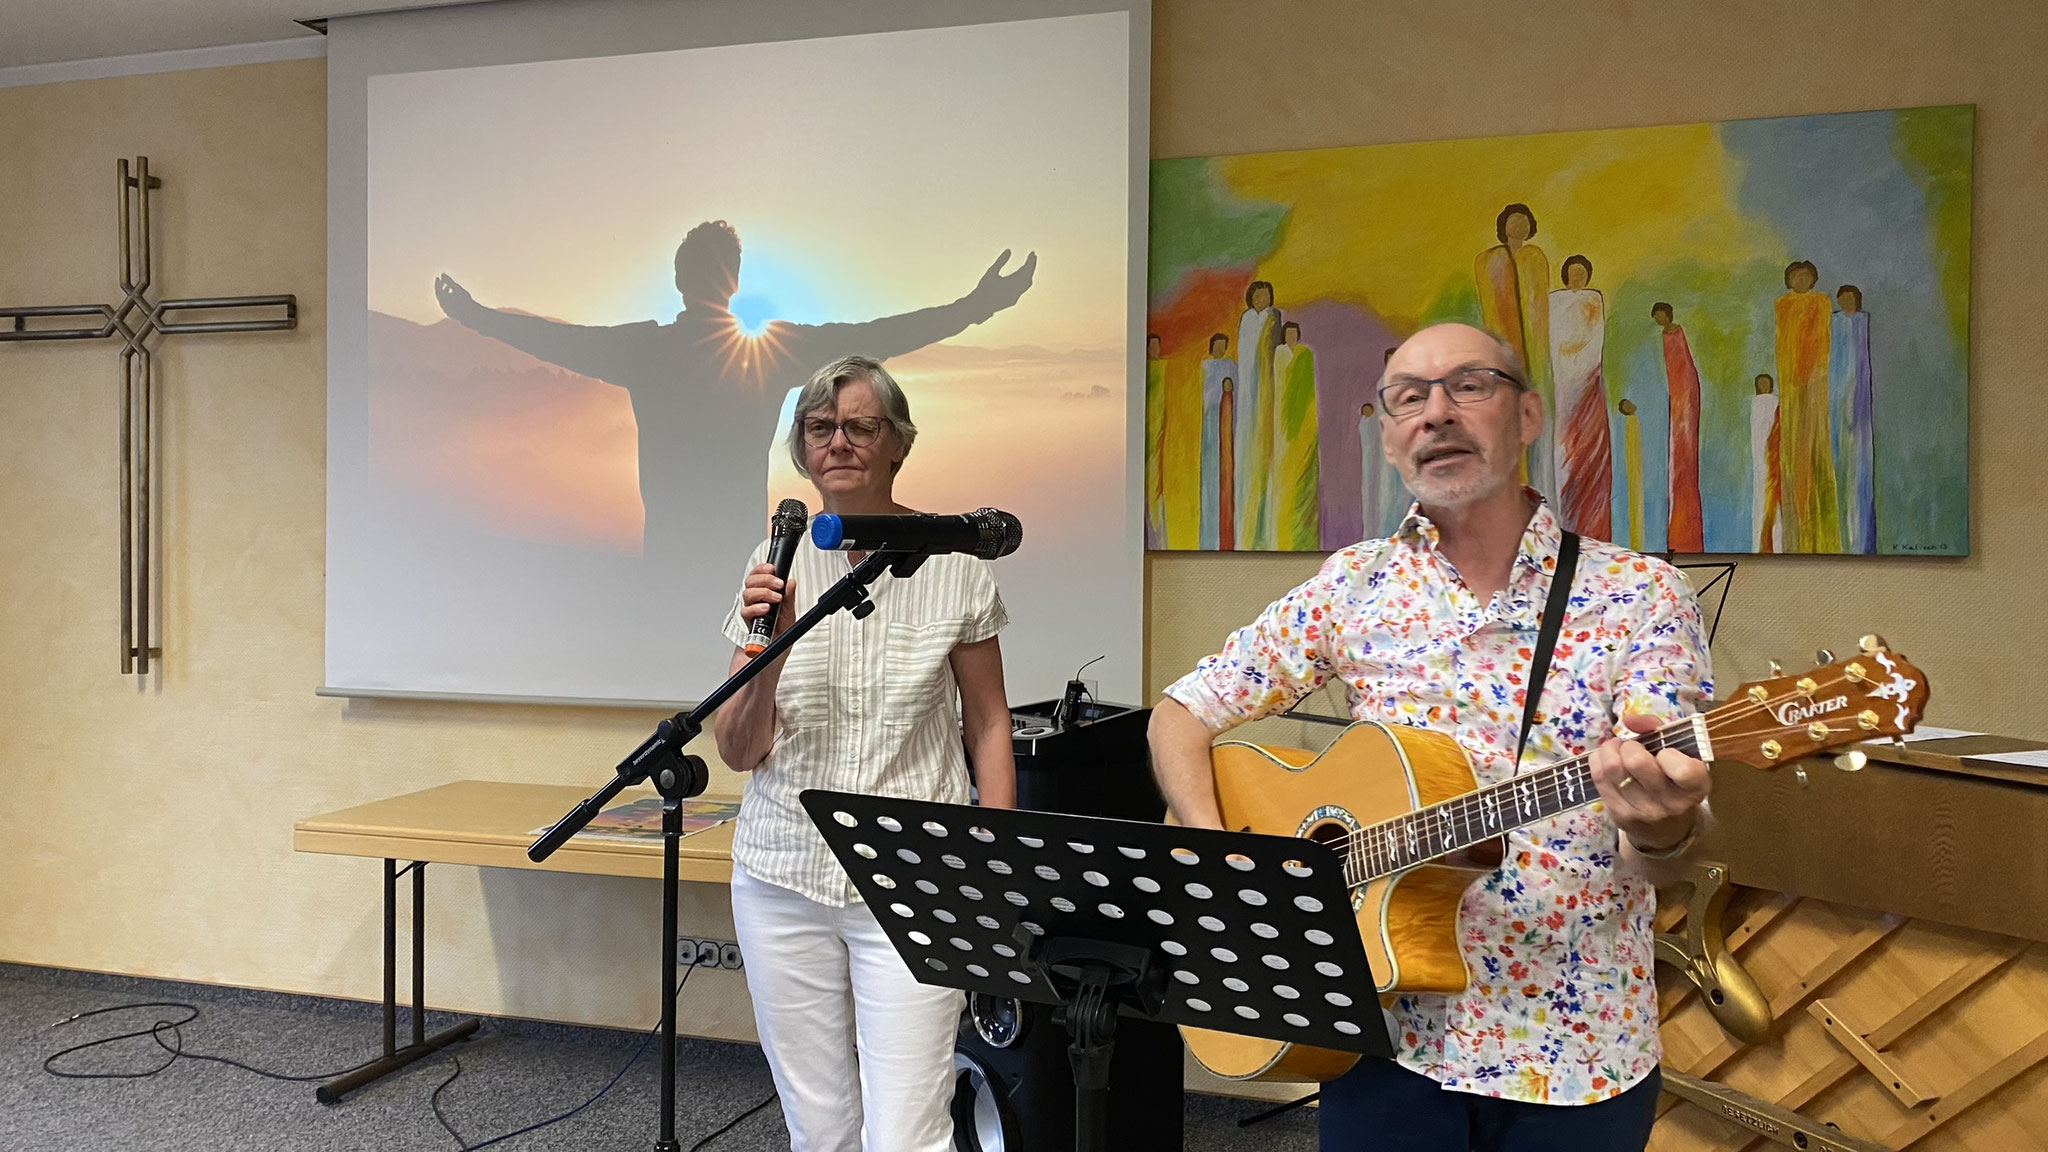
(1561, 1007)
(862, 706)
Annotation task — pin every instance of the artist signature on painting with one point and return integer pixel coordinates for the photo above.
(1921, 548)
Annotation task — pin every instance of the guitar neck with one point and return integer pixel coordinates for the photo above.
(1456, 824)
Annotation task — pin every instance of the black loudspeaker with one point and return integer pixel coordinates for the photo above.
(1090, 761)
(1014, 1088)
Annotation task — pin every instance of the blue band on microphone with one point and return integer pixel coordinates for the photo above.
(827, 531)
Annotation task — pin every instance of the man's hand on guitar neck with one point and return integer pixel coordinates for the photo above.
(1654, 799)
(1180, 762)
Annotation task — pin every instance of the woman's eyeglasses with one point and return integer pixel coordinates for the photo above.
(861, 431)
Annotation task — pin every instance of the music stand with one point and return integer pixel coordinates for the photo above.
(1723, 571)
(1223, 930)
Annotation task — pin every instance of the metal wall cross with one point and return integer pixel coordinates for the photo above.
(138, 321)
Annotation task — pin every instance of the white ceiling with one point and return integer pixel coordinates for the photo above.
(50, 31)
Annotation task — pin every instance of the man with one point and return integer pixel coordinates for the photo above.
(1554, 1044)
(697, 384)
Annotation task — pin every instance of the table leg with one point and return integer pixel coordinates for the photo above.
(422, 1045)
(390, 957)
(419, 952)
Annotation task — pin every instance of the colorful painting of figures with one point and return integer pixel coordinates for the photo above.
(1749, 337)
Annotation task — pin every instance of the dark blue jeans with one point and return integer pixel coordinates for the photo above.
(1380, 1106)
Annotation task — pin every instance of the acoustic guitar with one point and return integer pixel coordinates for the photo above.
(1394, 800)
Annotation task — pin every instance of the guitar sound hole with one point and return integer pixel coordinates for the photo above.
(1328, 833)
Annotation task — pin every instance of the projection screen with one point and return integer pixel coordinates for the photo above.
(555, 423)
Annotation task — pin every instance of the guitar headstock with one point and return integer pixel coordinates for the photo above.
(1869, 696)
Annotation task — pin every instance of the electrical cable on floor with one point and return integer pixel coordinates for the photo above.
(732, 1123)
(434, 1100)
(175, 1046)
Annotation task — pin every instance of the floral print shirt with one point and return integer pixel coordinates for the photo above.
(1561, 1006)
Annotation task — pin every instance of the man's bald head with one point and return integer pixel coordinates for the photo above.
(1474, 345)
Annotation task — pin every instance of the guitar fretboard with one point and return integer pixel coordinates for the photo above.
(1476, 817)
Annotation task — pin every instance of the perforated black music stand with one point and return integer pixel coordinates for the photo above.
(1222, 930)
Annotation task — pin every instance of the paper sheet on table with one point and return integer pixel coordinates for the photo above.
(2031, 758)
(639, 821)
(1929, 732)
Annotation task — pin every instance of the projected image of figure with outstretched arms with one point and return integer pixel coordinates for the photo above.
(698, 382)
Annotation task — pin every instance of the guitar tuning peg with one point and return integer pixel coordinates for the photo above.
(1871, 644)
(1853, 760)
(1777, 669)
(1822, 658)
(1800, 772)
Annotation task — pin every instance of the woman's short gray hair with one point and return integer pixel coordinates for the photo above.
(822, 392)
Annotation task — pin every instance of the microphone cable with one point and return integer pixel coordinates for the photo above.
(168, 1035)
(175, 1046)
(434, 1100)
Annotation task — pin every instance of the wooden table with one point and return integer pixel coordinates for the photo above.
(488, 825)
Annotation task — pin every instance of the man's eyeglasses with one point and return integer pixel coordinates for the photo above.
(1408, 396)
(861, 431)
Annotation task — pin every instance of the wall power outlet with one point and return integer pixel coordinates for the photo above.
(709, 953)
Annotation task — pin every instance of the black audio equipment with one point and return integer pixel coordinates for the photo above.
(1096, 763)
(1013, 1086)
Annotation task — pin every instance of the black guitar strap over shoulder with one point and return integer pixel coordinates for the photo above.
(1546, 637)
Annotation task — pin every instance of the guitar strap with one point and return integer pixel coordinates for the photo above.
(1546, 636)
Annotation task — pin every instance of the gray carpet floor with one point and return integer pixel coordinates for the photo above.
(513, 1073)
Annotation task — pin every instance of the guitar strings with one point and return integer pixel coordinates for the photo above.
(1550, 776)
(1562, 784)
(1559, 787)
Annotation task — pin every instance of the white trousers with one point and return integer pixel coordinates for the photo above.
(838, 1010)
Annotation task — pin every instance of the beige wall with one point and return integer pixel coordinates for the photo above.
(146, 829)
(1231, 77)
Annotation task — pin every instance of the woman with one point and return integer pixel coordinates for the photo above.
(862, 1053)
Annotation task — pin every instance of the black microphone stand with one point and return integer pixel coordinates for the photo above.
(678, 776)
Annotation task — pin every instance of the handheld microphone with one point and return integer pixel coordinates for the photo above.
(984, 532)
(784, 531)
